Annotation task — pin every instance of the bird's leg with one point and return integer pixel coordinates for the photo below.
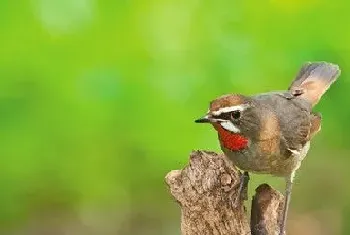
(287, 196)
(242, 194)
(243, 186)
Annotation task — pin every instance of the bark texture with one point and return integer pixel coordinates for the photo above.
(207, 190)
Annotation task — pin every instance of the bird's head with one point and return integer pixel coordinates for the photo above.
(234, 118)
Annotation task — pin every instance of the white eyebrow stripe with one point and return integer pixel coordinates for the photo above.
(230, 109)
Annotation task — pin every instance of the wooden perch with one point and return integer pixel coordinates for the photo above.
(206, 190)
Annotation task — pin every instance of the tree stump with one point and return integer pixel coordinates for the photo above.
(206, 189)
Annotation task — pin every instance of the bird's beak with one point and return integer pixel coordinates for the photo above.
(205, 119)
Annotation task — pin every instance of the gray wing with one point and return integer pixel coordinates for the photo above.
(294, 119)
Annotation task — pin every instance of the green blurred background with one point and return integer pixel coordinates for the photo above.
(98, 99)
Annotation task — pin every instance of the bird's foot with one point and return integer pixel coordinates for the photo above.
(242, 194)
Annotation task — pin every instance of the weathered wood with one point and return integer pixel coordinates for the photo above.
(266, 211)
(206, 190)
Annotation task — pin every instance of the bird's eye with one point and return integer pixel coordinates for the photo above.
(235, 114)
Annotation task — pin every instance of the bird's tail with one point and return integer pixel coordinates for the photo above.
(313, 80)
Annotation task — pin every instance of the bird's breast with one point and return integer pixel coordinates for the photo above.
(263, 161)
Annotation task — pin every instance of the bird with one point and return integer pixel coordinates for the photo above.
(270, 132)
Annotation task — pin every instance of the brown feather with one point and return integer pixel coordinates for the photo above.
(226, 101)
(313, 80)
(315, 124)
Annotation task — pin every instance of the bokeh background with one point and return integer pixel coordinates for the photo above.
(98, 99)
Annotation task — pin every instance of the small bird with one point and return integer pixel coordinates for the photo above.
(270, 133)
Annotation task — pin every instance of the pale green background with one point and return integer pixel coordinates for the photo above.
(98, 99)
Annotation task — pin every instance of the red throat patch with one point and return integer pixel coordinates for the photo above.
(229, 140)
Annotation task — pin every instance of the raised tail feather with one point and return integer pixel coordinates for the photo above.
(313, 80)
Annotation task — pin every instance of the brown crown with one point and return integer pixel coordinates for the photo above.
(225, 101)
